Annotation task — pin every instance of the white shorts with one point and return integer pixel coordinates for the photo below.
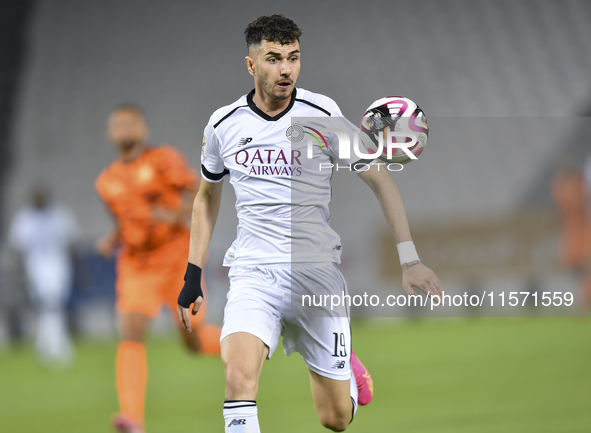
(260, 303)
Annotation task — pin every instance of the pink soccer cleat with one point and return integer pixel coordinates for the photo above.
(363, 379)
(123, 424)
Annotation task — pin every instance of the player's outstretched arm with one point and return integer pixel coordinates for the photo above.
(180, 215)
(414, 273)
(107, 244)
(206, 207)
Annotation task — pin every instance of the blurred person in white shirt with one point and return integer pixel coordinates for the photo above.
(44, 233)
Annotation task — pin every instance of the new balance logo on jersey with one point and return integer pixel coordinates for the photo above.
(339, 364)
(244, 141)
(241, 421)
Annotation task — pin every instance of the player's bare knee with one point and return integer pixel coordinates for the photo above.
(133, 327)
(240, 383)
(335, 418)
(133, 333)
(334, 421)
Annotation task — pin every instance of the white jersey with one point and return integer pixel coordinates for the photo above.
(45, 238)
(282, 196)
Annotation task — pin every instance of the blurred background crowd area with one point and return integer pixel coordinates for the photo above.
(498, 200)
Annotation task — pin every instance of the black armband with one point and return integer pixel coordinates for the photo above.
(192, 288)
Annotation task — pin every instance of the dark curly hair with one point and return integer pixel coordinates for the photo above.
(272, 28)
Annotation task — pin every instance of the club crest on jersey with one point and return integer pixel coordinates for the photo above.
(203, 146)
(145, 174)
(296, 133)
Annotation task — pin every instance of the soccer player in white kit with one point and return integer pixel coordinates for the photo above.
(45, 233)
(249, 141)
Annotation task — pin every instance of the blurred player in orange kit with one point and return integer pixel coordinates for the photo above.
(149, 191)
(570, 195)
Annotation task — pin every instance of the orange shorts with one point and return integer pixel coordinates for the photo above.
(143, 286)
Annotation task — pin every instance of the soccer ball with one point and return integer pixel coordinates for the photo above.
(395, 120)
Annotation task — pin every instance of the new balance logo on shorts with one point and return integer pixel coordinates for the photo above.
(241, 421)
(244, 141)
(339, 365)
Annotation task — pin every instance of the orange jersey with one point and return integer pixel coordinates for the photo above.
(570, 195)
(157, 179)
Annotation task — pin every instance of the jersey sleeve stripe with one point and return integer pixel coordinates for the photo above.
(228, 115)
(314, 105)
(213, 177)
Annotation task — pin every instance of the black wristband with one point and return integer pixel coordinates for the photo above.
(192, 288)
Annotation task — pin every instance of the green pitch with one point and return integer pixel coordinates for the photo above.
(487, 375)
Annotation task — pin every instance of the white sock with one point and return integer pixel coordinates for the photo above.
(241, 416)
(354, 391)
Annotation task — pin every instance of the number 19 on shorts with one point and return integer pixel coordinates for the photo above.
(340, 347)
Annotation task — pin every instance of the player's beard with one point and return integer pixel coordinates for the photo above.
(271, 91)
(128, 145)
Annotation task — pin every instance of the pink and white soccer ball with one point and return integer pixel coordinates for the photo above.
(407, 124)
